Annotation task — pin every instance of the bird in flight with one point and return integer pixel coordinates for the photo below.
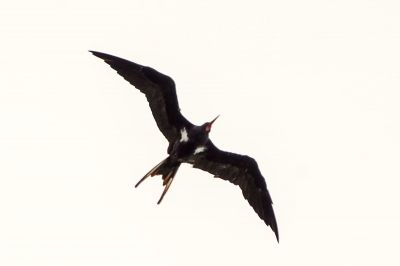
(189, 143)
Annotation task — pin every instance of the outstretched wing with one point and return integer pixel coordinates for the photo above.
(243, 171)
(159, 90)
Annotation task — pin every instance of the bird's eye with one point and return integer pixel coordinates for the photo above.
(208, 127)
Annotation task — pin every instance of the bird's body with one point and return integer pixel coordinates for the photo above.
(190, 143)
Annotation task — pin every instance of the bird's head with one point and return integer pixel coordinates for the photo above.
(207, 126)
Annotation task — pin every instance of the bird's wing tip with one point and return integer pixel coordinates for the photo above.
(274, 228)
(105, 57)
(94, 52)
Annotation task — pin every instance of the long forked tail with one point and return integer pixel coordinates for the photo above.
(167, 168)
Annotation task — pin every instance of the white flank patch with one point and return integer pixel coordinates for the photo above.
(184, 135)
(199, 149)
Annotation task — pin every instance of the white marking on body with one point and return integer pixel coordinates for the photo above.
(184, 135)
(199, 149)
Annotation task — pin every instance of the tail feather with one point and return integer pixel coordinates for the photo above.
(152, 172)
(167, 169)
(167, 182)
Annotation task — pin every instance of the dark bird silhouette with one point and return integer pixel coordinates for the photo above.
(189, 143)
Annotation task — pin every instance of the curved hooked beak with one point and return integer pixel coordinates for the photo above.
(213, 120)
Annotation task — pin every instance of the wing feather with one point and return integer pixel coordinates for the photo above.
(243, 171)
(159, 90)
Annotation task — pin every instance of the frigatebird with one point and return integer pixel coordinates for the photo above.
(189, 143)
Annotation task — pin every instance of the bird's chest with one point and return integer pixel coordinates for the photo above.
(183, 150)
(188, 145)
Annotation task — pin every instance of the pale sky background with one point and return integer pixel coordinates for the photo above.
(311, 89)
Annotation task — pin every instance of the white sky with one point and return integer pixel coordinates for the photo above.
(308, 88)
